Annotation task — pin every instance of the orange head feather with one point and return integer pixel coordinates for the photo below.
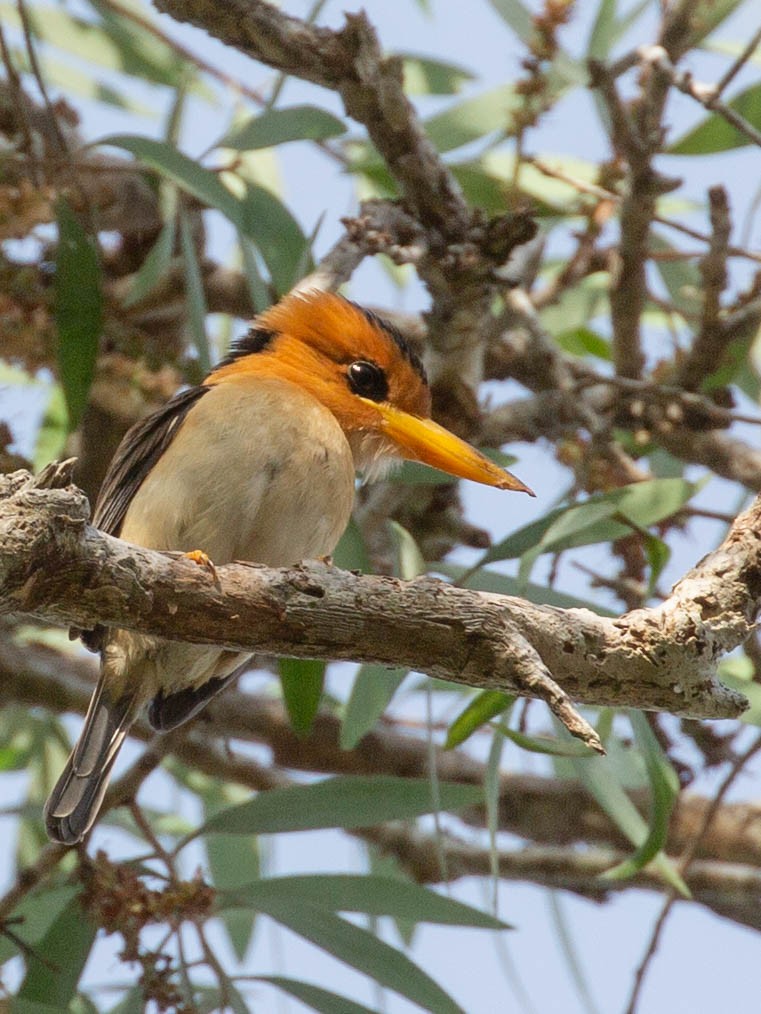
(364, 371)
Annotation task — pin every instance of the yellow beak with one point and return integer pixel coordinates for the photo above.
(426, 441)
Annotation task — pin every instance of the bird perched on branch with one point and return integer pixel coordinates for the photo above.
(257, 463)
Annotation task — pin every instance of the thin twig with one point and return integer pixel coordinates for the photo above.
(734, 68)
(706, 95)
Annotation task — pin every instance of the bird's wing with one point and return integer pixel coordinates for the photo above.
(138, 452)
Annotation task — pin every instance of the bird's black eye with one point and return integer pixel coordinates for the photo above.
(368, 380)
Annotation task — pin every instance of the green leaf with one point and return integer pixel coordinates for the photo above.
(362, 950)
(184, 171)
(53, 431)
(664, 791)
(302, 680)
(30, 1007)
(279, 126)
(409, 560)
(600, 518)
(715, 133)
(608, 27)
(350, 553)
(34, 916)
(277, 234)
(517, 16)
(487, 704)
(232, 862)
(472, 119)
(373, 895)
(371, 692)
(545, 744)
(78, 309)
(487, 580)
(195, 297)
(600, 779)
(257, 286)
(707, 15)
(344, 801)
(658, 555)
(124, 51)
(155, 265)
(65, 948)
(583, 341)
(680, 276)
(424, 76)
(319, 999)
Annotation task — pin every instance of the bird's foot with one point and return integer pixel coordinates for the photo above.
(200, 558)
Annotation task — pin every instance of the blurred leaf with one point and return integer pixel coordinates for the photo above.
(738, 673)
(302, 680)
(574, 310)
(552, 196)
(658, 555)
(599, 778)
(215, 999)
(409, 560)
(132, 1002)
(36, 914)
(600, 518)
(30, 1007)
(78, 309)
(374, 895)
(195, 297)
(65, 948)
(583, 341)
(279, 126)
(609, 27)
(75, 82)
(371, 692)
(97, 44)
(278, 235)
(184, 171)
(517, 16)
(472, 119)
(363, 951)
(53, 431)
(715, 133)
(486, 580)
(680, 276)
(664, 791)
(425, 76)
(487, 704)
(545, 744)
(350, 801)
(319, 999)
(350, 553)
(257, 286)
(233, 861)
(155, 265)
(707, 15)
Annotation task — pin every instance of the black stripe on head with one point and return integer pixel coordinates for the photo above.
(256, 339)
(397, 337)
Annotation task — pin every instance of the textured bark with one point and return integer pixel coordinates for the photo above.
(55, 566)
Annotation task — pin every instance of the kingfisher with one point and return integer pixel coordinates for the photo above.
(256, 463)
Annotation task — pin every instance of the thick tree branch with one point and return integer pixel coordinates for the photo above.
(349, 62)
(55, 566)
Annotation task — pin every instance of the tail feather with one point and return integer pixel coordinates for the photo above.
(74, 802)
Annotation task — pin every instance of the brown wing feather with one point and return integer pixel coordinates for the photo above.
(138, 452)
(140, 449)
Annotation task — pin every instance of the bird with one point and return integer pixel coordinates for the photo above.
(258, 462)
